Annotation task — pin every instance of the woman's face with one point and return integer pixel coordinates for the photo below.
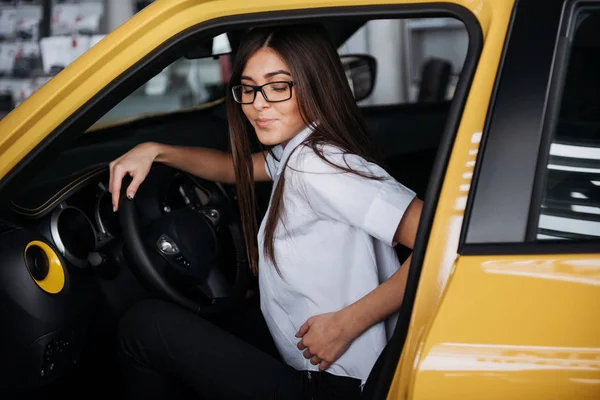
(275, 123)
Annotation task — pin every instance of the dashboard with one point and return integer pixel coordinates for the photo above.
(63, 264)
(77, 219)
(57, 234)
(65, 236)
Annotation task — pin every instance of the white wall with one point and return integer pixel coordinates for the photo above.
(117, 12)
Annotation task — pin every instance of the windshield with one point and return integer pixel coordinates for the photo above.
(184, 84)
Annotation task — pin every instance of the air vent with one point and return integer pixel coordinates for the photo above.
(45, 267)
(37, 262)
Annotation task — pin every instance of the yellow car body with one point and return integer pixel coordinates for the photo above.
(514, 326)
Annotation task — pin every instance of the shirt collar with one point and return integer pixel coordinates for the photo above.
(292, 144)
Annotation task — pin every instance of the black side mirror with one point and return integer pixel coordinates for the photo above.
(361, 71)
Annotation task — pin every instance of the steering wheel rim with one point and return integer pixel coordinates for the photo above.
(136, 245)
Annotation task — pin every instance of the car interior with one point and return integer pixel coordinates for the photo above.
(66, 342)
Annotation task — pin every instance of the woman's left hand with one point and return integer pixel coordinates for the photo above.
(325, 338)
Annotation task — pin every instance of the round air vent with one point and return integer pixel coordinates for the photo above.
(44, 267)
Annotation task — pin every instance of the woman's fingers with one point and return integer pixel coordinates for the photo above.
(117, 180)
(136, 181)
(314, 360)
(323, 365)
(308, 354)
(136, 162)
(117, 174)
(301, 345)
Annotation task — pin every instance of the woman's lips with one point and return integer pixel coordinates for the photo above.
(264, 123)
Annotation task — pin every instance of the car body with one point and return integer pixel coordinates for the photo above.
(491, 310)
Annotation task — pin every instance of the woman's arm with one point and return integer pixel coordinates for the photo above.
(330, 335)
(387, 298)
(209, 164)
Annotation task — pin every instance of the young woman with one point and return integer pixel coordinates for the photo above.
(330, 281)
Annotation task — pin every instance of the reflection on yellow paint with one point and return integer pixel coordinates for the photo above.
(583, 271)
(586, 381)
(460, 203)
(483, 357)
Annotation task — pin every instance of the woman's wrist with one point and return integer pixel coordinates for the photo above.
(351, 322)
(156, 150)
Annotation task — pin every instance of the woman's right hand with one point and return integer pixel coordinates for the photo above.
(136, 162)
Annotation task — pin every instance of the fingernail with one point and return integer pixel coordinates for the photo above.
(114, 209)
(129, 196)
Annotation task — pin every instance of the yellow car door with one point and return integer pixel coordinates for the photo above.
(508, 292)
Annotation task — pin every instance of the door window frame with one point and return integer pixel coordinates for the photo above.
(502, 209)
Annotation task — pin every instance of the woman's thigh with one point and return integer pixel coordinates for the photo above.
(173, 342)
(247, 323)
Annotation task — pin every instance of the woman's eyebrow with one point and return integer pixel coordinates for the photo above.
(267, 75)
(280, 72)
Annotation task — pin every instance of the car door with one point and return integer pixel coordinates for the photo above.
(518, 316)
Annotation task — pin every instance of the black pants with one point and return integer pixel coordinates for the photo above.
(167, 352)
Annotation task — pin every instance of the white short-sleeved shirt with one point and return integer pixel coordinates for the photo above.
(333, 245)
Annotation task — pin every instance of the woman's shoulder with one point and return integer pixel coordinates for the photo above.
(325, 158)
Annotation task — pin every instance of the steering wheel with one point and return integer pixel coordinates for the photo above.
(188, 249)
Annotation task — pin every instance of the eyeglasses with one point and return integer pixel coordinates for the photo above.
(273, 92)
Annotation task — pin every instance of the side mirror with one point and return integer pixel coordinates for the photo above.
(361, 70)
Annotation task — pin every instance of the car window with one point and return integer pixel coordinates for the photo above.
(570, 207)
(184, 84)
(419, 61)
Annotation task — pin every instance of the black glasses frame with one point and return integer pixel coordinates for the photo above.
(260, 88)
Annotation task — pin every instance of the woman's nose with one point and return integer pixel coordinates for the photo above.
(259, 101)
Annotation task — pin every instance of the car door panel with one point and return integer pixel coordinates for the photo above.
(516, 316)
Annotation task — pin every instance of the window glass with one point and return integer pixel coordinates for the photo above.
(419, 61)
(184, 84)
(570, 206)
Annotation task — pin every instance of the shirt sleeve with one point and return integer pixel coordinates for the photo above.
(374, 205)
(272, 161)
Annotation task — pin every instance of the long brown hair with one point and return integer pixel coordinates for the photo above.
(323, 95)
